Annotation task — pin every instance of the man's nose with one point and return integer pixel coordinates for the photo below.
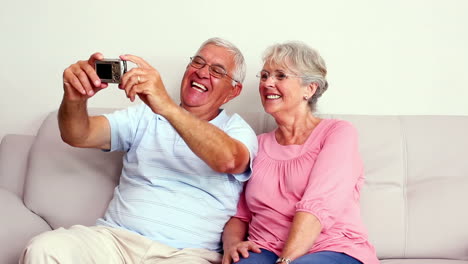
(204, 72)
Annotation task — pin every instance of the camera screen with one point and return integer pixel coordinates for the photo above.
(104, 71)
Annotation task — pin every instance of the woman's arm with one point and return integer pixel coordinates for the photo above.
(333, 183)
(304, 231)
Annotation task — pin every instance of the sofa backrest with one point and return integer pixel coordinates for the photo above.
(416, 169)
(413, 200)
(67, 185)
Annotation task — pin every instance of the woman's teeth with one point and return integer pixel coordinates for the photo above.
(273, 96)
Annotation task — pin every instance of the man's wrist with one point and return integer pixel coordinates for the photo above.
(230, 244)
(169, 111)
(77, 100)
(283, 260)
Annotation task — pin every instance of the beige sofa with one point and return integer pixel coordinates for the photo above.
(413, 202)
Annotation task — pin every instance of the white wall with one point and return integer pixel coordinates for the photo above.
(384, 57)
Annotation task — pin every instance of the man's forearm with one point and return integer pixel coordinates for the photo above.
(221, 152)
(73, 121)
(234, 232)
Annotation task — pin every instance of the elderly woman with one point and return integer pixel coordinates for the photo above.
(302, 203)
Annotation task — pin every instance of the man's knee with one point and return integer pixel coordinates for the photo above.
(45, 247)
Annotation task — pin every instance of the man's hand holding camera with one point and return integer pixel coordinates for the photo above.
(80, 80)
(146, 83)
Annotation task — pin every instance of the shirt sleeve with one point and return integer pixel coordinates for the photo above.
(240, 130)
(335, 176)
(243, 212)
(123, 125)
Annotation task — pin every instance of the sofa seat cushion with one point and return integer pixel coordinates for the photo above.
(423, 261)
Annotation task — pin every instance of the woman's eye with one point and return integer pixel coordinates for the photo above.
(281, 76)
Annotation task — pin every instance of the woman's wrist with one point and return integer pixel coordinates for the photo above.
(283, 260)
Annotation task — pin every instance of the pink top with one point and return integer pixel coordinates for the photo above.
(322, 177)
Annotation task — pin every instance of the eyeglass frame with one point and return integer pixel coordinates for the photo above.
(210, 68)
(274, 76)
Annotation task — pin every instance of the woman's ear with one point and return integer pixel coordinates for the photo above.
(310, 90)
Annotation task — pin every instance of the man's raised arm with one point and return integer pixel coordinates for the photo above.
(77, 128)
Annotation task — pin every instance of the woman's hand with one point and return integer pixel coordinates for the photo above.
(231, 253)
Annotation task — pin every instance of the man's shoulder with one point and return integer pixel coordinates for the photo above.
(136, 109)
(234, 120)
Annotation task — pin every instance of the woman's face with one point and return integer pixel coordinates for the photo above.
(280, 89)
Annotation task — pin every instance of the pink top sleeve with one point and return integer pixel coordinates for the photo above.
(333, 178)
(243, 212)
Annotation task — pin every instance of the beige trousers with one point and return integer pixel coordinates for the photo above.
(99, 244)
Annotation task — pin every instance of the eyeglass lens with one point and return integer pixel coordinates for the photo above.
(279, 76)
(215, 70)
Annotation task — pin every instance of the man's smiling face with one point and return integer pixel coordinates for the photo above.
(202, 93)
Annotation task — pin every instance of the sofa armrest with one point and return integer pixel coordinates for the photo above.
(18, 226)
(14, 150)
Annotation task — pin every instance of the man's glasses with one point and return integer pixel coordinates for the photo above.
(279, 76)
(216, 71)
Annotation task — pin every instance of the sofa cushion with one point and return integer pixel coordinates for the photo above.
(14, 151)
(382, 196)
(437, 186)
(423, 261)
(67, 185)
(413, 200)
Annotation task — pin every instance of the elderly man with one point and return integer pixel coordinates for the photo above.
(183, 168)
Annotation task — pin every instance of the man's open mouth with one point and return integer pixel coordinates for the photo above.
(199, 87)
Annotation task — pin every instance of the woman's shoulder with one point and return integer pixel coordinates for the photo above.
(338, 130)
(332, 124)
(334, 128)
(266, 136)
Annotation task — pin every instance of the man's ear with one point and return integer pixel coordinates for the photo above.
(235, 91)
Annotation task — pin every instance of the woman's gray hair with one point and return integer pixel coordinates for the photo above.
(239, 61)
(302, 60)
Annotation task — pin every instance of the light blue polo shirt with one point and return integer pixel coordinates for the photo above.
(167, 193)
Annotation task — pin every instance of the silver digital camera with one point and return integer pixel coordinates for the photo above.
(111, 70)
